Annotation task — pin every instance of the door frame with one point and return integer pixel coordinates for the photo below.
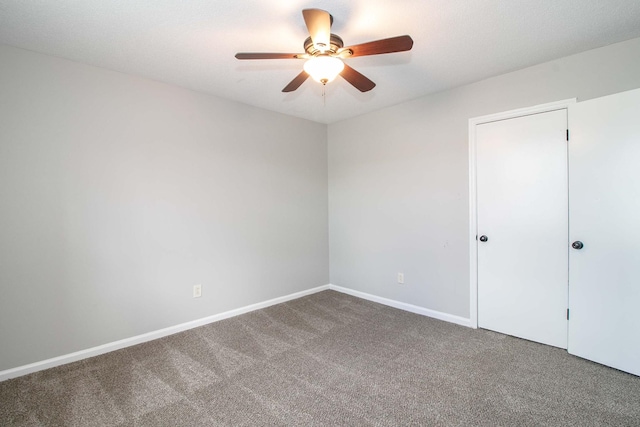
(473, 215)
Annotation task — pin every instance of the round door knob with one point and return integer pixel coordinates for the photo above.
(483, 238)
(577, 245)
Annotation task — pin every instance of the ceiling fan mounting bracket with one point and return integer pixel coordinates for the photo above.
(335, 43)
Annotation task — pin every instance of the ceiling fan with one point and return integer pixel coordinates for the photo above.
(324, 52)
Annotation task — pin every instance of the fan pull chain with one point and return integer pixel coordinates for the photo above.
(324, 96)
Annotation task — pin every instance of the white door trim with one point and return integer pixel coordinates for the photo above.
(473, 218)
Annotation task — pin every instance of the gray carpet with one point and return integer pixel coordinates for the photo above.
(326, 359)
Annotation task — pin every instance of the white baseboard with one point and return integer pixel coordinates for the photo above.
(406, 307)
(138, 339)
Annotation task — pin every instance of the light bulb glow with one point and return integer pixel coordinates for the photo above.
(323, 68)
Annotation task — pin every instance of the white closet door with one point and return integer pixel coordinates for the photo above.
(604, 210)
(521, 182)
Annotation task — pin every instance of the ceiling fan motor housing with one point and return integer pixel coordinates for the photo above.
(335, 42)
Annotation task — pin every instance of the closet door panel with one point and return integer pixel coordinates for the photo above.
(521, 178)
(604, 215)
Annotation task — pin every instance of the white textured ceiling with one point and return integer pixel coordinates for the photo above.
(191, 43)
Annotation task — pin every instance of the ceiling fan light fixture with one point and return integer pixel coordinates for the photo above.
(323, 68)
(324, 52)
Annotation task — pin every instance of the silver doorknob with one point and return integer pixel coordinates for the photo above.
(577, 245)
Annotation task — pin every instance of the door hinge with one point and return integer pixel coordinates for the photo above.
(567, 134)
(567, 314)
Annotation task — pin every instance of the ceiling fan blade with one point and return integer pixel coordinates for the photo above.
(319, 25)
(257, 55)
(295, 83)
(390, 45)
(359, 81)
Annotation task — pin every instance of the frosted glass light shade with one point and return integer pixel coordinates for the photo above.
(323, 68)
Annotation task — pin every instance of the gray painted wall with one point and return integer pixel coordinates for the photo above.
(118, 194)
(398, 177)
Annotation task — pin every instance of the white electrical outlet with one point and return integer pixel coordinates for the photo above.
(197, 291)
(401, 278)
